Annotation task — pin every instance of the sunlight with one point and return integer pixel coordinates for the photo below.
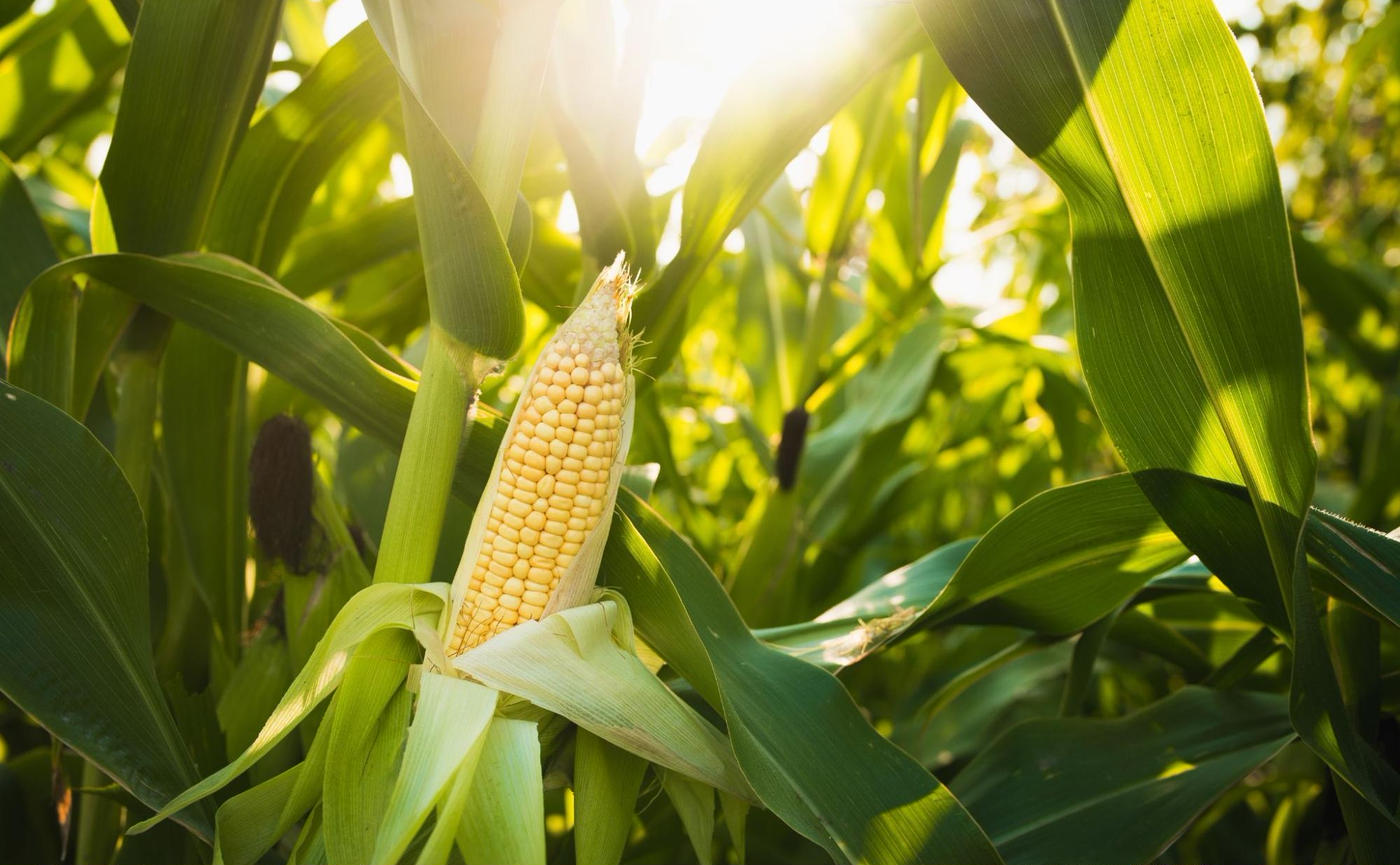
(702, 46)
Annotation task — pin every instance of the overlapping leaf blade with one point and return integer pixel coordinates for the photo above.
(74, 610)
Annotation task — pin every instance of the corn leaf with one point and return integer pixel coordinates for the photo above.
(447, 735)
(1062, 560)
(577, 663)
(43, 340)
(695, 803)
(205, 63)
(57, 67)
(1366, 561)
(802, 744)
(204, 447)
(1055, 564)
(250, 696)
(288, 151)
(768, 115)
(376, 608)
(246, 826)
(463, 217)
(251, 314)
(606, 781)
(503, 819)
(1146, 117)
(27, 247)
(366, 742)
(1076, 790)
(73, 579)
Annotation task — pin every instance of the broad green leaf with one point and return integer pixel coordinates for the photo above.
(1079, 790)
(1056, 564)
(695, 803)
(75, 618)
(1316, 703)
(606, 782)
(204, 447)
(1061, 560)
(447, 737)
(801, 742)
(768, 115)
(288, 151)
(345, 369)
(263, 322)
(1366, 561)
(874, 616)
(473, 290)
(27, 247)
(205, 64)
(377, 608)
(43, 338)
(329, 254)
(371, 720)
(250, 696)
(578, 663)
(245, 826)
(464, 214)
(58, 66)
(1186, 305)
(503, 821)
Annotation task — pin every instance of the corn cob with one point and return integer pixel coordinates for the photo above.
(539, 529)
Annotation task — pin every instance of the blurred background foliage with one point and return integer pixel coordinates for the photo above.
(898, 297)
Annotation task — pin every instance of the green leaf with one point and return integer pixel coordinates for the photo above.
(292, 146)
(27, 247)
(1062, 560)
(246, 825)
(1079, 790)
(74, 617)
(43, 339)
(1366, 561)
(447, 737)
(1185, 300)
(328, 255)
(401, 606)
(578, 663)
(463, 216)
(804, 747)
(503, 822)
(1054, 565)
(606, 782)
(768, 115)
(204, 63)
(250, 696)
(695, 803)
(371, 719)
(59, 66)
(260, 320)
(473, 290)
(203, 443)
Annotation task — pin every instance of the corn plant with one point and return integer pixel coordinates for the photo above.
(342, 522)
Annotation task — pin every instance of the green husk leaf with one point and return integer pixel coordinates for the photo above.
(695, 803)
(377, 608)
(445, 739)
(503, 821)
(606, 781)
(580, 664)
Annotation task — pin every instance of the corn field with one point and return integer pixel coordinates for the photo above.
(657, 431)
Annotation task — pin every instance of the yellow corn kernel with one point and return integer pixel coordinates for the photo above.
(541, 510)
